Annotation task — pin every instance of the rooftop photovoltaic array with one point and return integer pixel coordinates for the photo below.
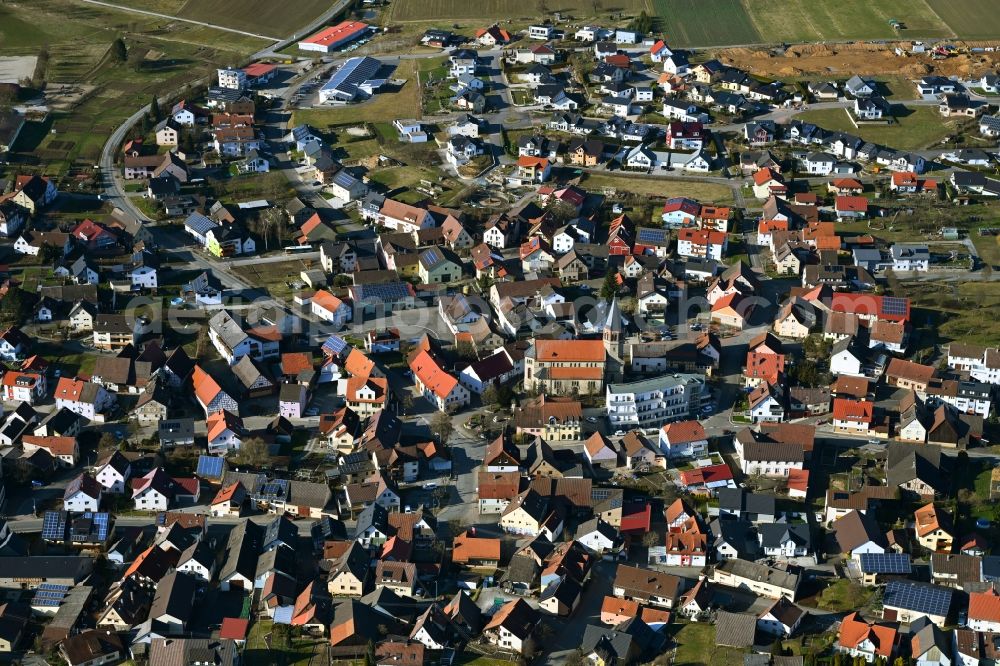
(390, 291)
(432, 256)
(920, 597)
(650, 236)
(210, 467)
(49, 595)
(885, 563)
(334, 345)
(278, 488)
(54, 526)
(894, 305)
(102, 522)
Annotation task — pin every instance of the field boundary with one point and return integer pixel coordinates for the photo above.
(112, 5)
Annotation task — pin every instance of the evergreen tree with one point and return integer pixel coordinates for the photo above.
(154, 110)
(610, 286)
(118, 51)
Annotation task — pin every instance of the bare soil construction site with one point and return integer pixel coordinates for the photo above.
(840, 60)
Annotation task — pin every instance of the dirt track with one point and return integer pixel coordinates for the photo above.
(843, 60)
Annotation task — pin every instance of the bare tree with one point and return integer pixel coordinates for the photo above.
(441, 424)
(273, 223)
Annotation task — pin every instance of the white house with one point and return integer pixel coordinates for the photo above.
(683, 439)
(154, 491)
(330, 309)
(782, 618)
(820, 164)
(113, 473)
(442, 389)
(143, 277)
(910, 257)
(82, 494)
(984, 611)
(597, 536)
(87, 399)
(541, 31)
(845, 360)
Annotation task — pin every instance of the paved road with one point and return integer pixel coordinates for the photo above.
(215, 26)
(30, 525)
(114, 191)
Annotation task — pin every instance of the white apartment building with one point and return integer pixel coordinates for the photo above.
(649, 403)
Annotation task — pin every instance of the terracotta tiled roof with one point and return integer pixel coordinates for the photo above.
(57, 446)
(426, 369)
(218, 422)
(854, 630)
(908, 370)
(205, 388)
(985, 606)
(466, 548)
(499, 485)
(326, 300)
(569, 351)
(227, 493)
(852, 410)
(851, 204)
(358, 364)
(684, 431)
(378, 384)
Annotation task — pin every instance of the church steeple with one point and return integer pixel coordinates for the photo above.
(613, 342)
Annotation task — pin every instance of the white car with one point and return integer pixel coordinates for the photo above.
(430, 485)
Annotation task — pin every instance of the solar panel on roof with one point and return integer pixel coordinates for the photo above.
(885, 563)
(54, 526)
(390, 291)
(920, 597)
(894, 305)
(209, 466)
(49, 595)
(101, 524)
(432, 256)
(650, 236)
(334, 345)
(276, 488)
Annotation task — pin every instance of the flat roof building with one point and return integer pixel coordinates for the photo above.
(333, 37)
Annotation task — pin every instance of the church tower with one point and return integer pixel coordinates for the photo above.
(613, 342)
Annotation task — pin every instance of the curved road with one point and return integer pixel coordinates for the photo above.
(113, 191)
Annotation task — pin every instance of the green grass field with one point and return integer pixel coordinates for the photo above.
(17, 32)
(381, 108)
(259, 16)
(971, 19)
(706, 22)
(173, 54)
(438, 10)
(731, 22)
(810, 21)
(707, 192)
(922, 127)
(696, 645)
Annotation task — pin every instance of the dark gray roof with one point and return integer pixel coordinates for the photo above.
(773, 535)
(735, 629)
(738, 500)
(375, 516)
(905, 463)
(242, 551)
(174, 596)
(736, 533)
(186, 651)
